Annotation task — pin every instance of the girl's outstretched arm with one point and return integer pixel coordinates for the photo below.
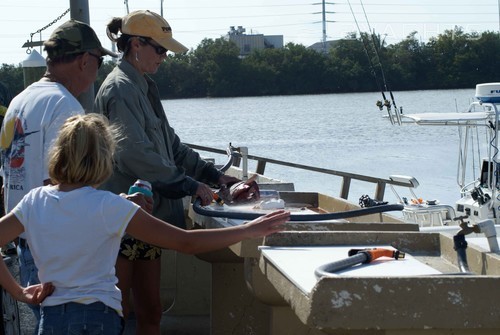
(10, 228)
(149, 229)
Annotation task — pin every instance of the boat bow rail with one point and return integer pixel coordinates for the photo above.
(422, 213)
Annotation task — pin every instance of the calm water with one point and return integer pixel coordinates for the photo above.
(344, 132)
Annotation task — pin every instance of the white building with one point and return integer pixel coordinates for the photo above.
(248, 43)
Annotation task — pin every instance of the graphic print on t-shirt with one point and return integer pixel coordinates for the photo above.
(13, 143)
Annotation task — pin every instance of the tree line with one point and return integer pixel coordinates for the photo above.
(358, 63)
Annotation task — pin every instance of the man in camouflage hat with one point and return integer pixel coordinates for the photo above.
(33, 119)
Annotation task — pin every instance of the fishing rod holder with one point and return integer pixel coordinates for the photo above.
(394, 115)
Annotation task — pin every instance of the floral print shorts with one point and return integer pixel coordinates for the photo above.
(134, 249)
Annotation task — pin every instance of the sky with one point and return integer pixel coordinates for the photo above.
(299, 21)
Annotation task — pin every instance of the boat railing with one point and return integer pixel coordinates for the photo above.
(346, 177)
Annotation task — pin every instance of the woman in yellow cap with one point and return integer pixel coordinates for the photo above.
(152, 151)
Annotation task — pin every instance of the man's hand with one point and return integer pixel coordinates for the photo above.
(205, 193)
(140, 199)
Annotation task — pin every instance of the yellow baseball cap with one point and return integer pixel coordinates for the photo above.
(148, 24)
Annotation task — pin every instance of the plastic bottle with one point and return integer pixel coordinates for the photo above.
(141, 186)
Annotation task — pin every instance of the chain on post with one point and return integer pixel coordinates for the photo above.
(28, 51)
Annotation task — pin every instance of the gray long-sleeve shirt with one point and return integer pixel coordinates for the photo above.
(150, 149)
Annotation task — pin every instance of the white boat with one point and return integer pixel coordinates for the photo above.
(478, 166)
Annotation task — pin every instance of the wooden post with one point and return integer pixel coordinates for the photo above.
(344, 190)
(261, 167)
(380, 191)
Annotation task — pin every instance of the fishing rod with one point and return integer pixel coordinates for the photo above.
(380, 65)
(386, 103)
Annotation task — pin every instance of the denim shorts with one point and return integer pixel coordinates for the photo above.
(27, 267)
(28, 275)
(73, 318)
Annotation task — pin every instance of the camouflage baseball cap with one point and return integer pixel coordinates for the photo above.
(74, 37)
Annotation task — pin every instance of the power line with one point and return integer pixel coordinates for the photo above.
(268, 13)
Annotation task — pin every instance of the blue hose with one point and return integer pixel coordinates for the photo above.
(460, 245)
(297, 217)
(326, 270)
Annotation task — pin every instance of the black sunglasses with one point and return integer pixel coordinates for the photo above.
(158, 49)
(100, 59)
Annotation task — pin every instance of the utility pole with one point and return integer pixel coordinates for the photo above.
(79, 10)
(324, 27)
(324, 21)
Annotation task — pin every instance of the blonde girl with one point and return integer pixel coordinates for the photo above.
(74, 231)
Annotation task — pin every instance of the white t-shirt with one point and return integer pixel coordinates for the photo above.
(75, 238)
(30, 126)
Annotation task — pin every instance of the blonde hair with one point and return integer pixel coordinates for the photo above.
(83, 151)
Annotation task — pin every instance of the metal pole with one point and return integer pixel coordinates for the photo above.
(324, 27)
(79, 10)
(244, 169)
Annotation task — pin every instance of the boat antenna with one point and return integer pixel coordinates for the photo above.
(126, 6)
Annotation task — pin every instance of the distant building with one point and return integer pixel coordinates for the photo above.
(248, 43)
(320, 47)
